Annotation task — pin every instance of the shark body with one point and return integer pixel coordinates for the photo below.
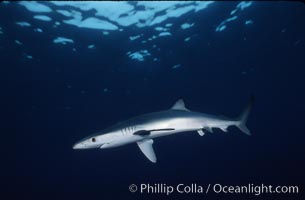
(144, 128)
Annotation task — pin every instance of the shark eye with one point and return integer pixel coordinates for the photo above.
(93, 140)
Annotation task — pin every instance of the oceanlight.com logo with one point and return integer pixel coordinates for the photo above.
(194, 188)
(255, 189)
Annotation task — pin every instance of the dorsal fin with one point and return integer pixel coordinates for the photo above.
(179, 105)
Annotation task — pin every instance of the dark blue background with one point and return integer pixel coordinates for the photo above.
(46, 117)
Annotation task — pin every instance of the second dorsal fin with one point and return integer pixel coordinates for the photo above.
(179, 105)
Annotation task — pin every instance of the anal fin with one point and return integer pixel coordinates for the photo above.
(224, 129)
(200, 132)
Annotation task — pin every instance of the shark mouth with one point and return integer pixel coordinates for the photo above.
(101, 146)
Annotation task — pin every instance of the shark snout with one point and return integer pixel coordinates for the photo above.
(85, 145)
(78, 146)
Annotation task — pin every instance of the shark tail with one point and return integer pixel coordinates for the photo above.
(242, 119)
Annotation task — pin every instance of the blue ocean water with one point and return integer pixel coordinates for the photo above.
(70, 69)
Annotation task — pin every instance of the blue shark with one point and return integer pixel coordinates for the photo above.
(143, 129)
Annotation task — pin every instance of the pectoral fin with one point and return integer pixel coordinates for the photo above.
(142, 132)
(147, 149)
(148, 132)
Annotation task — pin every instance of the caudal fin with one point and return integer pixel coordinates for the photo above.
(242, 119)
